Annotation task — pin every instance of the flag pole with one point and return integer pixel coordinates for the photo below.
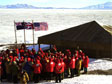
(15, 34)
(24, 32)
(33, 34)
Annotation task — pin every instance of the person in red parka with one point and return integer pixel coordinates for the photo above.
(50, 68)
(1, 71)
(58, 71)
(63, 67)
(66, 61)
(21, 52)
(37, 70)
(72, 65)
(86, 62)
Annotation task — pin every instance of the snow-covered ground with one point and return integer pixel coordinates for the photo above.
(57, 20)
(99, 64)
(85, 79)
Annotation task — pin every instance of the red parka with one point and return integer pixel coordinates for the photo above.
(17, 50)
(86, 62)
(21, 52)
(58, 67)
(50, 66)
(63, 65)
(22, 59)
(72, 63)
(37, 67)
(66, 63)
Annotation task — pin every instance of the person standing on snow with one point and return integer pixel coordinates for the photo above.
(50, 68)
(58, 71)
(86, 62)
(63, 68)
(72, 66)
(78, 66)
(24, 78)
(37, 71)
(1, 72)
(14, 70)
(27, 66)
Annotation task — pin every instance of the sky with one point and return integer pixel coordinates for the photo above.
(55, 3)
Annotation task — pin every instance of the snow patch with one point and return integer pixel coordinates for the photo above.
(99, 64)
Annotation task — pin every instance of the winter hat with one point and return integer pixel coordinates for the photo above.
(80, 50)
(32, 60)
(22, 57)
(37, 61)
(11, 51)
(14, 62)
(28, 59)
(68, 50)
(51, 59)
(86, 56)
(47, 60)
(17, 59)
(1, 58)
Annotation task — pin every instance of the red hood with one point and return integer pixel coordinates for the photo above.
(37, 61)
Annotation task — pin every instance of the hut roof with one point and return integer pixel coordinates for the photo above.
(90, 32)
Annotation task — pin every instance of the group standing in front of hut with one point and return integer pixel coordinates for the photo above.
(23, 65)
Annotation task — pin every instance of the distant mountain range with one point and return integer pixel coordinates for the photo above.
(105, 6)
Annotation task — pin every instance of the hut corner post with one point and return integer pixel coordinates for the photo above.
(39, 46)
(50, 46)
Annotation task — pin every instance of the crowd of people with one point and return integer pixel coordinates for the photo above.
(24, 65)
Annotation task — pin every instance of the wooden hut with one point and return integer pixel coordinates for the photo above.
(90, 37)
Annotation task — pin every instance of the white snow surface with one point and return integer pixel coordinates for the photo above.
(82, 79)
(85, 79)
(57, 20)
(99, 64)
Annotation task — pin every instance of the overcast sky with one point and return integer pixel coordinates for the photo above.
(55, 3)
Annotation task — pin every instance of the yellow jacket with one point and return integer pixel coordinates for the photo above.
(25, 78)
(79, 64)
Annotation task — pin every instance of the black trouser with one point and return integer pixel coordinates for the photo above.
(77, 72)
(36, 78)
(82, 67)
(0, 78)
(43, 75)
(62, 76)
(72, 72)
(49, 75)
(15, 79)
(58, 78)
(85, 70)
(66, 73)
(9, 77)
